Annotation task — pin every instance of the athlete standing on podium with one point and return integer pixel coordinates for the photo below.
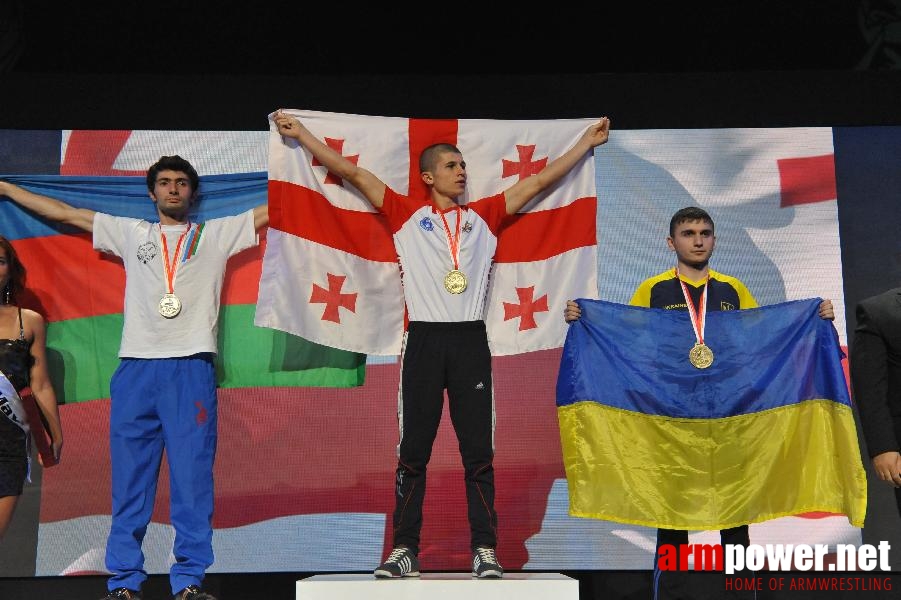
(694, 287)
(163, 394)
(446, 251)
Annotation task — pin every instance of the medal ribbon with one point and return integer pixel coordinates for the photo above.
(170, 268)
(453, 241)
(698, 320)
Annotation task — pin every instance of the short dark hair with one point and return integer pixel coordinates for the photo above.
(172, 163)
(429, 157)
(689, 213)
(16, 282)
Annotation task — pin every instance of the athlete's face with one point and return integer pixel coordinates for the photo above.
(172, 194)
(693, 243)
(448, 176)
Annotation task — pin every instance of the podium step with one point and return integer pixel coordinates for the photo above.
(439, 586)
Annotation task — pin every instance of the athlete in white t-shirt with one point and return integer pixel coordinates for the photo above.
(445, 252)
(163, 394)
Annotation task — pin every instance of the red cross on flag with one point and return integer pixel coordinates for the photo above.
(330, 272)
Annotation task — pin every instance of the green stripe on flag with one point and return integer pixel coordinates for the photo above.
(83, 353)
(262, 357)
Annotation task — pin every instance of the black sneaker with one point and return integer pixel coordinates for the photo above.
(400, 563)
(193, 592)
(485, 565)
(122, 594)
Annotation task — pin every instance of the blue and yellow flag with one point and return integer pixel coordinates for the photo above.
(766, 431)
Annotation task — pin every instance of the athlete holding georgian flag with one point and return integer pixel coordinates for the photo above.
(446, 251)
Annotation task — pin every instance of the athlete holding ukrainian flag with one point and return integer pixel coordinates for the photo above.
(694, 287)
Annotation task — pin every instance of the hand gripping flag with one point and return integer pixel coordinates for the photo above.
(766, 431)
(330, 272)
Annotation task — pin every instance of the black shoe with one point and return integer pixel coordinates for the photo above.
(123, 594)
(485, 565)
(193, 592)
(400, 563)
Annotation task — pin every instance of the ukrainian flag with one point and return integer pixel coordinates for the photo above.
(766, 431)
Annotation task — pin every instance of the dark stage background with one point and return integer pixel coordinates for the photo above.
(205, 66)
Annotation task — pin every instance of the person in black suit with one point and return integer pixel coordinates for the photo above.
(875, 364)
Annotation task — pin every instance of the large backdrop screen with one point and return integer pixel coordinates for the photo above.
(305, 465)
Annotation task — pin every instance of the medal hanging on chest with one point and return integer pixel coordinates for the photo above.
(170, 304)
(455, 281)
(700, 356)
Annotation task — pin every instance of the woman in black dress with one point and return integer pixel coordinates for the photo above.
(23, 364)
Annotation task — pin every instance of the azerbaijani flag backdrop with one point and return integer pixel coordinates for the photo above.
(301, 468)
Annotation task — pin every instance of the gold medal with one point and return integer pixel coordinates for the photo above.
(455, 281)
(701, 356)
(170, 306)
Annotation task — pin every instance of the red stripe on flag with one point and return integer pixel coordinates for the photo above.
(818, 515)
(68, 279)
(807, 179)
(527, 237)
(242, 276)
(307, 214)
(95, 153)
(542, 234)
(423, 133)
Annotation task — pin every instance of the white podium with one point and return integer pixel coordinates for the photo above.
(439, 586)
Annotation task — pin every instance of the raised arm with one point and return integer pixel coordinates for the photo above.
(524, 190)
(369, 185)
(40, 381)
(49, 208)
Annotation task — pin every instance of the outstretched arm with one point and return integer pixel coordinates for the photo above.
(40, 381)
(520, 193)
(49, 208)
(369, 185)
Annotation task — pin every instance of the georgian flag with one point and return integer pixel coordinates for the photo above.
(331, 274)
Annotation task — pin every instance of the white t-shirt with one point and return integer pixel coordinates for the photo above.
(422, 244)
(198, 276)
